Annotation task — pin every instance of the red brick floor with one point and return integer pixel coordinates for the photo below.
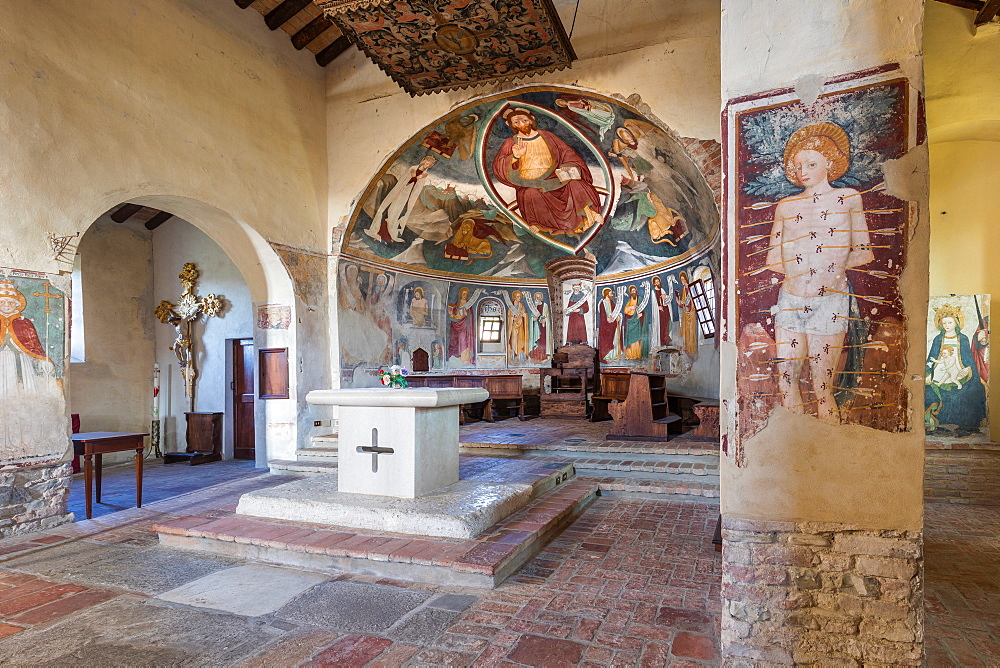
(962, 585)
(630, 583)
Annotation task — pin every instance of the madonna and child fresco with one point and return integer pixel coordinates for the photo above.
(475, 204)
(958, 366)
(820, 251)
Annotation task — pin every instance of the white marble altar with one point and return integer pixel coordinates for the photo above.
(399, 443)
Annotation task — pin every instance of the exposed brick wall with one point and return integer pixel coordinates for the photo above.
(32, 499)
(707, 155)
(969, 476)
(796, 593)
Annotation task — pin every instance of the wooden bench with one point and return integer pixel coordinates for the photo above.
(502, 387)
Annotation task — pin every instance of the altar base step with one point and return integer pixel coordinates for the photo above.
(485, 561)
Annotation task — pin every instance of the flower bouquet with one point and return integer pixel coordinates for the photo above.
(394, 377)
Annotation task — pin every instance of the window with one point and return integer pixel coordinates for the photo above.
(490, 314)
(77, 352)
(703, 306)
(489, 329)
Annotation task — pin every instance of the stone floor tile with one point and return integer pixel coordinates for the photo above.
(238, 590)
(353, 607)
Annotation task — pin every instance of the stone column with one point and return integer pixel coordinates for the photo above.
(559, 273)
(823, 338)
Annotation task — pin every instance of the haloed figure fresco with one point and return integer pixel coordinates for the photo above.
(816, 236)
(821, 248)
(957, 366)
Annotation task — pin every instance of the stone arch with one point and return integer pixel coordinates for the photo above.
(268, 282)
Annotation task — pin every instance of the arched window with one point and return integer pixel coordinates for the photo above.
(489, 334)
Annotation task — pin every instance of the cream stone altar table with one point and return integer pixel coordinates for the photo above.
(397, 442)
(397, 469)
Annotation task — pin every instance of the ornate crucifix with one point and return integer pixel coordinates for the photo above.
(187, 309)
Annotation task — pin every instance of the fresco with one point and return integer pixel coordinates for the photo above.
(958, 366)
(32, 359)
(578, 312)
(504, 184)
(821, 246)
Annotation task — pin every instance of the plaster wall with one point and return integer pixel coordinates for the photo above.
(174, 243)
(111, 388)
(781, 43)
(798, 468)
(963, 118)
(106, 102)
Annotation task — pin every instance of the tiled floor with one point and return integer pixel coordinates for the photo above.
(631, 582)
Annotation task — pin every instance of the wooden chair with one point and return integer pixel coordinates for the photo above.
(573, 375)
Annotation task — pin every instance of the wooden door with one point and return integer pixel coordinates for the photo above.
(243, 375)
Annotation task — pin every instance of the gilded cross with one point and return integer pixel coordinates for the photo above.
(189, 307)
(375, 450)
(48, 295)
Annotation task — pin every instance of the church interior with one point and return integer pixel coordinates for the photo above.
(656, 288)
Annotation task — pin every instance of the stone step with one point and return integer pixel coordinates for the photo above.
(706, 487)
(302, 468)
(325, 439)
(317, 453)
(485, 561)
(678, 465)
(580, 446)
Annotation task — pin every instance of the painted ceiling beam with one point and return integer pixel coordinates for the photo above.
(243, 4)
(988, 12)
(124, 212)
(286, 10)
(311, 31)
(337, 47)
(158, 220)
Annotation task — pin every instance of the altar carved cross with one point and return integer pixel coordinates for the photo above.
(188, 309)
(375, 450)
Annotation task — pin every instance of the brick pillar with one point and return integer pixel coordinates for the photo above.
(825, 258)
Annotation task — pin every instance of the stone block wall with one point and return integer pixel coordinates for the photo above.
(799, 593)
(962, 473)
(33, 498)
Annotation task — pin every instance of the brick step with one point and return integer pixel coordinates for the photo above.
(574, 447)
(485, 561)
(682, 485)
(678, 465)
(302, 468)
(317, 453)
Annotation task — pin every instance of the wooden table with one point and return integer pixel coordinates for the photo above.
(97, 443)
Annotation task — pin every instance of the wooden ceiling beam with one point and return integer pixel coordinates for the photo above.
(975, 5)
(311, 31)
(988, 12)
(158, 220)
(286, 10)
(336, 47)
(243, 4)
(124, 212)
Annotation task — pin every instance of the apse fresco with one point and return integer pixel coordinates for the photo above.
(957, 375)
(32, 365)
(821, 246)
(656, 322)
(502, 185)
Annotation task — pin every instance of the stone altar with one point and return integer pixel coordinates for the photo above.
(401, 443)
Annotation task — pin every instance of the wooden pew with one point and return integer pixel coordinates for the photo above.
(502, 387)
(645, 414)
(614, 387)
